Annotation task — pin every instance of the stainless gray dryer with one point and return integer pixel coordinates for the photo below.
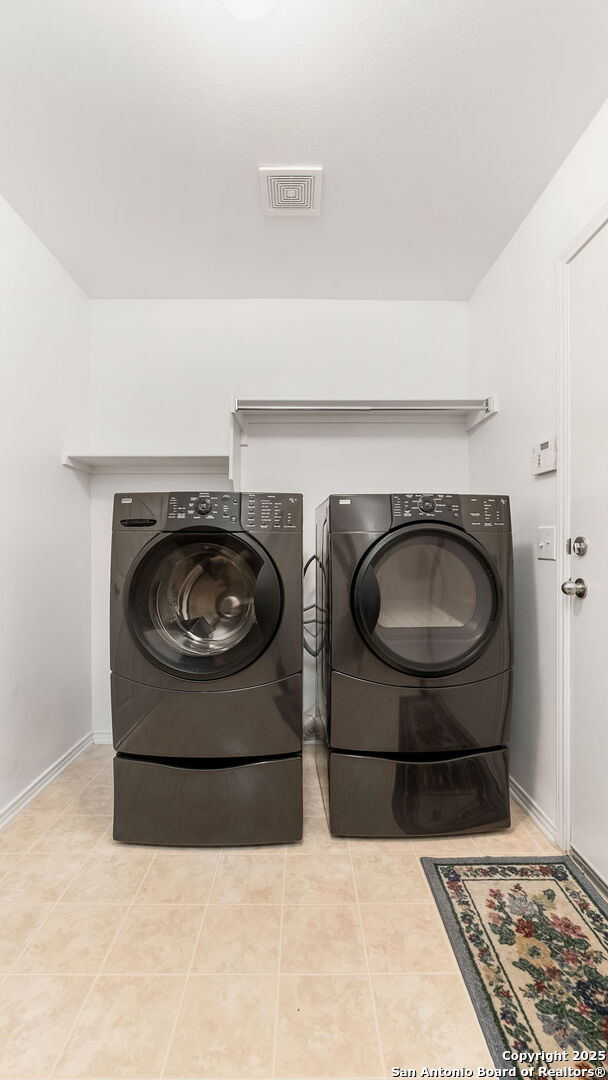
(414, 665)
(206, 660)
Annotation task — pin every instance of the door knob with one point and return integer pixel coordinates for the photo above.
(575, 588)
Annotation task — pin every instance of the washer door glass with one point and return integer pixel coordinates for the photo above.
(204, 605)
(426, 599)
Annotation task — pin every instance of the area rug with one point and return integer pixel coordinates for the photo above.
(531, 938)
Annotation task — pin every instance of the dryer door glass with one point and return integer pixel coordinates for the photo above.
(204, 605)
(426, 599)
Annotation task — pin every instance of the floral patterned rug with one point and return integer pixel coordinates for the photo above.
(531, 938)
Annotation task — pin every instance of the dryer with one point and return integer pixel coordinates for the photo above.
(206, 660)
(414, 663)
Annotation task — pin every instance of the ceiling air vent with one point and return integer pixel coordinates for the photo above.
(291, 191)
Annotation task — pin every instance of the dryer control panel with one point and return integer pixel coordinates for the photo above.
(470, 511)
(421, 506)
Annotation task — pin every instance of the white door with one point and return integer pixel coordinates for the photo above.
(588, 317)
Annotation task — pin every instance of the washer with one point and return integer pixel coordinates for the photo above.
(206, 659)
(414, 663)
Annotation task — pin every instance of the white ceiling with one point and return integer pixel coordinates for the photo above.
(131, 132)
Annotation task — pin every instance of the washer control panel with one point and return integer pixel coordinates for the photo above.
(235, 512)
(269, 512)
(470, 511)
(220, 508)
(486, 512)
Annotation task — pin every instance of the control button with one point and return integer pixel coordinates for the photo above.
(427, 505)
(204, 506)
(233, 518)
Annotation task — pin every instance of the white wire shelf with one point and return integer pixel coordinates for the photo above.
(468, 411)
(201, 464)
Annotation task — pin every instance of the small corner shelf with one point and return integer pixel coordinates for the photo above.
(95, 464)
(468, 411)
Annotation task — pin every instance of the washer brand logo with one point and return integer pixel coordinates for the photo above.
(126, 500)
(344, 502)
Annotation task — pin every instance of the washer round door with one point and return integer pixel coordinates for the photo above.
(203, 605)
(426, 599)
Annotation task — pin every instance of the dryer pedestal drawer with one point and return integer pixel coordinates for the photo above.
(390, 796)
(193, 804)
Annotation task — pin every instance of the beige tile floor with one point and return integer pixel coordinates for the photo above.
(323, 959)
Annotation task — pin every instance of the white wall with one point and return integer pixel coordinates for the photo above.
(45, 539)
(514, 349)
(164, 372)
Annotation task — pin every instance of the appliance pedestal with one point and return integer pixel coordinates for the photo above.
(193, 803)
(415, 795)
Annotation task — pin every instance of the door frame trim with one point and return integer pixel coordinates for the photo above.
(564, 611)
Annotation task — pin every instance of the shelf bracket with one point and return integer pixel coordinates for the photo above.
(491, 409)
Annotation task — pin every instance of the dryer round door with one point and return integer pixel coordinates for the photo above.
(203, 605)
(426, 599)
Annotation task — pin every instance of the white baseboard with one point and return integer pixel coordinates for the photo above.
(20, 801)
(534, 811)
(590, 872)
(103, 738)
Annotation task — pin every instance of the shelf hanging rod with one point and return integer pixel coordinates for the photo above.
(451, 406)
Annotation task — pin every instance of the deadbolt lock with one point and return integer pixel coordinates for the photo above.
(580, 545)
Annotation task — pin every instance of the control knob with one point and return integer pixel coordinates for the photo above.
(203, 506)
(426, 504)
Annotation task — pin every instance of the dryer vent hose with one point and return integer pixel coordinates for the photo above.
(310, 620)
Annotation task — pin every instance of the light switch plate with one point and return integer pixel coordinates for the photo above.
(545, 542)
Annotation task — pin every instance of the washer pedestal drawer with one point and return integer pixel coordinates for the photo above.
(199, 804)
(423, 796)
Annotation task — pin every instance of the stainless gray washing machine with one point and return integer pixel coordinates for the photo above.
(206, 659)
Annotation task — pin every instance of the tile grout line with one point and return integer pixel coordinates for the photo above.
(17, 856)
(119, 927)
(54, 817)
(31, 804)
(227, 904)
(188, 973)
(212, 974)
(369, 974)
(278, 989)
(65, 812)
(53, 904)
